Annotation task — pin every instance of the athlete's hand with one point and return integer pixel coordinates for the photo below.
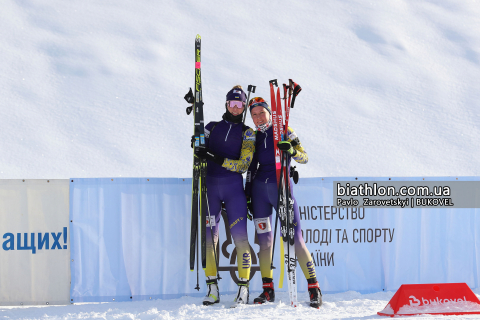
(205, 153)
(287, 147)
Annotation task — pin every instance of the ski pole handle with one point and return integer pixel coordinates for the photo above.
(296, 90)
(250, 89)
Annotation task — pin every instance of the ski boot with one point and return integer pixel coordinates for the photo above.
(268, 294)
(213, 295)
(242, 294)
(315, 293)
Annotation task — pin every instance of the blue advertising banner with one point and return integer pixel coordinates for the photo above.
(130, 240)
(370, 249)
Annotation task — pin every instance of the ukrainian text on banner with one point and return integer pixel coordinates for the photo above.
(373, 249)
(35, 250)
(131, 241)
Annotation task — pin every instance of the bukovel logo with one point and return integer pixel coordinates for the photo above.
(232, 257)
(414, 302)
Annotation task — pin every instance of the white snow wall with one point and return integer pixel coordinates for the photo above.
(130, 241)
(35, 246)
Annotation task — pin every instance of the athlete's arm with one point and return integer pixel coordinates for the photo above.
(246, 154)
(301, 155)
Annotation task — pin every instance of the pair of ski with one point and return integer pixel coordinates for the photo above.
(199, 192)
(285, 202)
(199, 188)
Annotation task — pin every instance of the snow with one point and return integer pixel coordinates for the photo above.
(95, 89)
(347, 305)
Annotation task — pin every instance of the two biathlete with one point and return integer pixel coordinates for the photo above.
(231, 148)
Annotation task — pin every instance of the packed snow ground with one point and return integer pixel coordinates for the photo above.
(95, 88)
(347, 305)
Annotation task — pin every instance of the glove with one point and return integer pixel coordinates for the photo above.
(250, 208)
(287, 147)
(206, 154)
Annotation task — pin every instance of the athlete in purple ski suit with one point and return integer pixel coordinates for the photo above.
(229, 152)
(262, 188)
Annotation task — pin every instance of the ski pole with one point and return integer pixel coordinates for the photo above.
(287, 207)
(198, 258)
(213, 242)
(274, 237)
(279, 198)
(296, 90)
(250, 89)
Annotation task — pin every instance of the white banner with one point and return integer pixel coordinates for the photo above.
(35, 250)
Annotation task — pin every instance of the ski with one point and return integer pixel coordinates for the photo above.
(290, 259)
(277, 123)
(289, 241)
(199, 166)
(287, 223)
(285, 212)
(195, 181)
(276, 137)
(278, 160)
(200, 143)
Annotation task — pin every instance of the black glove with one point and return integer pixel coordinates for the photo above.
(286, 146)
(204, 153)
(250, 208)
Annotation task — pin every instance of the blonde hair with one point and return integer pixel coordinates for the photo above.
(237, 87)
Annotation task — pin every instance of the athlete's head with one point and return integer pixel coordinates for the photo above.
(261, 113)
(235, 104)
